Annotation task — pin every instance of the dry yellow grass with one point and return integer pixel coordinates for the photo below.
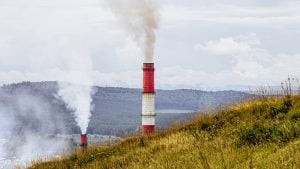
(255, 134)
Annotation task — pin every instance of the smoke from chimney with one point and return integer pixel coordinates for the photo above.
(78, 98)
(77, 91)
(140, 18)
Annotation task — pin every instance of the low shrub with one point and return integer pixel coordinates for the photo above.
(294, 115)
(278, 133)
(254, 135)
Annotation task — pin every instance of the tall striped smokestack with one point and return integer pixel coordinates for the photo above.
(148, 100)
(140, 18)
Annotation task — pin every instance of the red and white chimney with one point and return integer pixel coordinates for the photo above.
(148, 100)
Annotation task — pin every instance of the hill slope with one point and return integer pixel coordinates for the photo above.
(257, 134)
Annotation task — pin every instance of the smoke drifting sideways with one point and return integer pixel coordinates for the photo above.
(141, 19)
(77, 91)
(27, 123)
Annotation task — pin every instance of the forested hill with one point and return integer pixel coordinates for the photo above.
(35, 106)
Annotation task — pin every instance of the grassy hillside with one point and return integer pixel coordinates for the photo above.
(263, 133)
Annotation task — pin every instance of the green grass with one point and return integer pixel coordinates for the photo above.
(261, 133)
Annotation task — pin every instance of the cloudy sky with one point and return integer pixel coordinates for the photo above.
(201, 44)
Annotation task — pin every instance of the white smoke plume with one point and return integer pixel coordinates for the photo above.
(77, 91)
(141, 18)
(78, 99)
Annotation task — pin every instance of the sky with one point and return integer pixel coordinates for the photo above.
(200, 44)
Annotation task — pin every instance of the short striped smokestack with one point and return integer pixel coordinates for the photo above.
(148, 100)
(83, 140)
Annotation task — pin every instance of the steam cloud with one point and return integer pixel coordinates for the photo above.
(140, 17)
(78, 98)
(27, 122)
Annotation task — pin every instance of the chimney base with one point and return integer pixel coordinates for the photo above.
(148, 129)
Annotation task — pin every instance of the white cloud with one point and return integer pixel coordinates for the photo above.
(128, 54)
(225, 46)
(249, 65)
(253, 64)
(39, 37)
(257, 14)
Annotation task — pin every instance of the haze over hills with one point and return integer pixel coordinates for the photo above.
(35, 107)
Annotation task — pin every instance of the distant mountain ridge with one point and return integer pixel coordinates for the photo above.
(35, 106)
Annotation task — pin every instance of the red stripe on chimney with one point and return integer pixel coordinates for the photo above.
(148, 78)
(148, 129)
